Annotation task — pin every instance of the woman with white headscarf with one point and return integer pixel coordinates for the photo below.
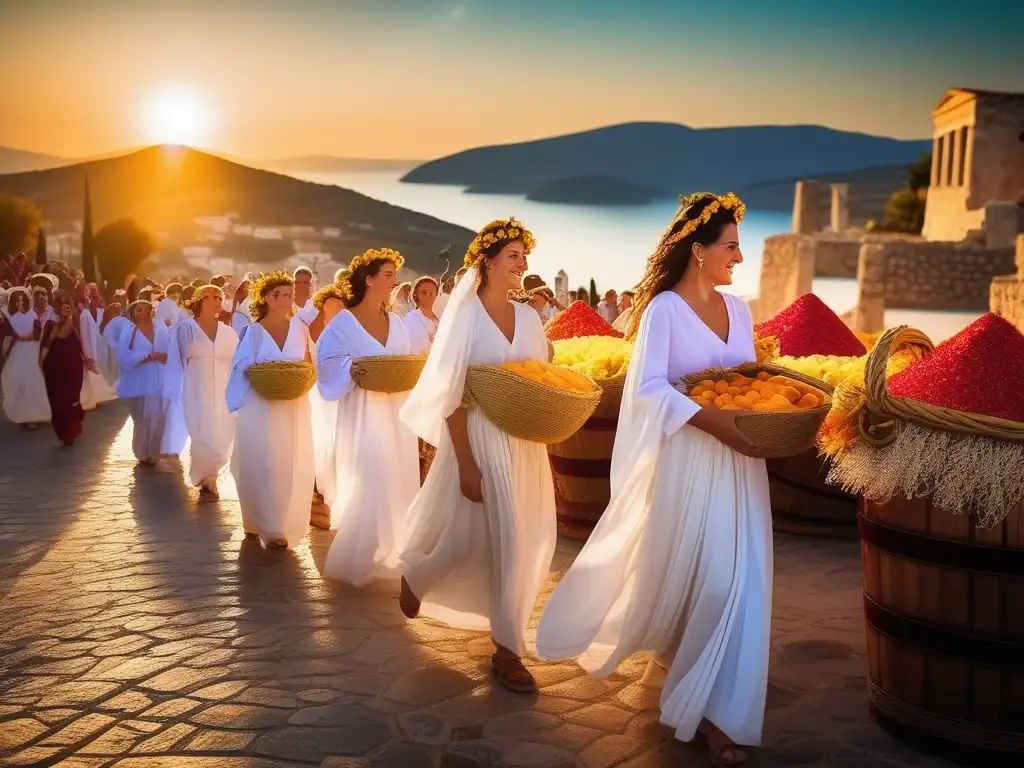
(401, 300)
(483, 525)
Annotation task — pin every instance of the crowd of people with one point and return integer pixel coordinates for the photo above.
(679, 565)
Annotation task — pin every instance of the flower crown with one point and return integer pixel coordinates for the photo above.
(729, 202)
(499, 230)
(343, 277)
(201, 293)
(331, 291)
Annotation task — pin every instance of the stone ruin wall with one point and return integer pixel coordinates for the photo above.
(1006, 297)
(947, 276)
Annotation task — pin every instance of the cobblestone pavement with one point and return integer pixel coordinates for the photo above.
(139, 630)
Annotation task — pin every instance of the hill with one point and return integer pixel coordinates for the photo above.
(670, 157)
(20, 160)
(870, 190)
(169, 188)
(330, 164)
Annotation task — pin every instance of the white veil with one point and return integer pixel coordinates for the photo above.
(438, 393)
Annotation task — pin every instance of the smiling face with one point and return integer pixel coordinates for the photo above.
(380, 286)
(142, 314)
(505, 270)
(210, 305)
(279, 299)
(721, 257)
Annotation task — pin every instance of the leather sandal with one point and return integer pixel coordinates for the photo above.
(512, 675)
(726, 755)
(408, 602)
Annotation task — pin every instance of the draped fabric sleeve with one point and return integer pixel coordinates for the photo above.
(238, 383)
(127, 356)
(179, 337)
(87, 333)
(655, 392)
(591, 601)
(438, 393)
(333, 363)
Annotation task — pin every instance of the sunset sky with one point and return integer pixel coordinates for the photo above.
(422, 78)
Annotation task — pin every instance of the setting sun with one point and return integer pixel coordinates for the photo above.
(179, 116)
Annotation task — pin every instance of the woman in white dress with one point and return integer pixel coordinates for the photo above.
(142, 359)
(206, 348)
(328, 302)
(680, 563)
(401, 299)
(375, 458)
(421, 323)
(240, 306)
(482, 528)
(272, 461)
(25, 401)
(113, 325)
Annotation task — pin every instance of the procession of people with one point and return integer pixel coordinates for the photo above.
(679, 565)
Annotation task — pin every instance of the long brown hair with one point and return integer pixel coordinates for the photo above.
(670, 260)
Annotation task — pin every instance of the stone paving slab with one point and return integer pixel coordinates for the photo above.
(138, 629)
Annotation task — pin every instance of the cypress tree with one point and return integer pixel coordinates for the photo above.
(593, 293)
(88, 250)
(41, 257)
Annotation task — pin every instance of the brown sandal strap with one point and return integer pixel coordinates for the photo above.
(513, 674)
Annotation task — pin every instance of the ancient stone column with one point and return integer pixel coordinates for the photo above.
(807, 208)
(840, 207)
(1019, 257)
(1002, 223)
(869, 312)
(801, 279)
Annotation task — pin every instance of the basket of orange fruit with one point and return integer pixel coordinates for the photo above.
(531, 400)
(781, 410)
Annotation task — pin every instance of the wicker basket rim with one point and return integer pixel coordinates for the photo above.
(281, 364)
(390, 359)
(507, 374)
(919, 412)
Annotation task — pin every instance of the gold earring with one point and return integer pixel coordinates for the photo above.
(700, 264)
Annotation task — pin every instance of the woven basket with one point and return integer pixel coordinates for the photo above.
(775, 434)
(281, 380)
(388, 373)
(880, 421)
(528, 409)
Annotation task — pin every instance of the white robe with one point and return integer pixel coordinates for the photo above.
(307, 312)
(168, 312)
(25, 400)
(143, 383)
(240, 317)
(680, 563)
(111, 335)
(95, 387)
(479, 566)
(375, 460)
(272, 461)
(421, 330)
(207, 366)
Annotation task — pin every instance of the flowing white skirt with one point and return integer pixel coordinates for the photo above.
(175, 431)
(96, 389)
(211, 428)
(272, 463)
(324, 416)
(481, 567)
(149, 420)
(375, 477)
(697, 590)
(25, 400)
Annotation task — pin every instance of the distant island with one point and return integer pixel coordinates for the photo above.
(665, 156)
(595, 190)
(170, 190)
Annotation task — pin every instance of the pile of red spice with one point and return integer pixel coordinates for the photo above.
(808, 327)
(579, 319)
(977, 371)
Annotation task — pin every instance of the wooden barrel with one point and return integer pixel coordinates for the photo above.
(944, 610)
(803, 503)
(581, 466)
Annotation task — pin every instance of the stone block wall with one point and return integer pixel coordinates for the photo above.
(787, 272)
(1006, 295)
(950, 276)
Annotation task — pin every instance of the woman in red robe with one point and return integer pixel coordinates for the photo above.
(63, 360)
